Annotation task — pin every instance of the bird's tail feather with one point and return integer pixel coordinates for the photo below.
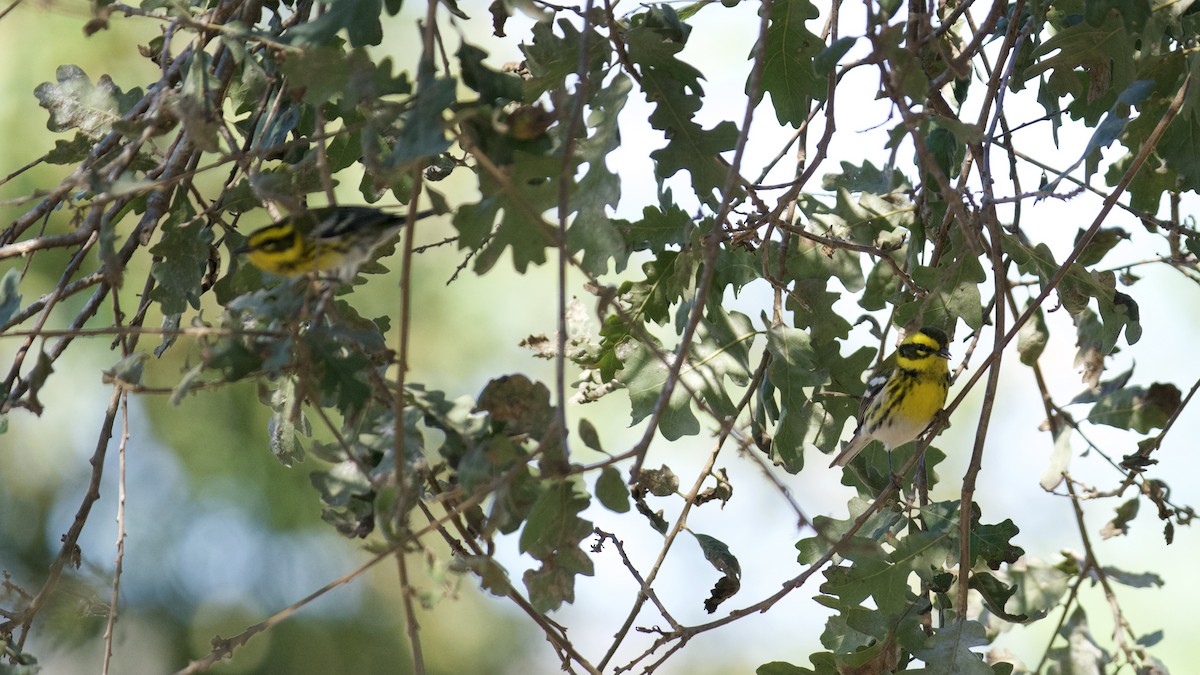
(853, 447)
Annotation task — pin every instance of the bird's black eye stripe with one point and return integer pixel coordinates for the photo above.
(272, 242)
(277, 244)
(916, 351)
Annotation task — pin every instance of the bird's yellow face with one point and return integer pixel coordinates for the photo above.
(926, 350)
(282, 249)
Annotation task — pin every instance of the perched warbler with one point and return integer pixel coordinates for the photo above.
(903, 399)
(331, 239)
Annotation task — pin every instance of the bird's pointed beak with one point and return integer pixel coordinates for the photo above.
(944, 352)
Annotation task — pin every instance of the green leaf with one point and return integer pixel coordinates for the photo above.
(340, 484)
(42, 369)
(286, 423)
(1133, 14)
(1119, 312)
(183, 258)
(10, 300)
(1151, 639)
(809, 261)
(553, 523)
(530, 192)
(321, 72)
(1137, 408)
(592, 231)
(356, 519)
(991, 542)
(1100, 244)
(674, 88)
(75, 103)
(1087, 46)
(589, 436)
(127, 370)
(553, 583)
(492, 86)
(1090, 342)
(953, 294)
(963, 132)
(908, 71)
(865, 178)
(880, 656)
(1038, 261)
(1032, 338)
(658, 229)
(1040, 587)
(552, 532)
(721, 352)
(696, 151)
(70, 152)
(612, 491)
(788, 74)
(717, 553)
(869, 219)
(840, 399)
(1110, 129)
(1119, 525)
(871, 576)
(669, 276)
(781, 668)
(423, 133)
(360, 19)
(733, 268)
(552, 60)
(1133, 580)
(661, 482)
(996, 594)
(882, 288)
(794, 368)
(493, 578)
(947, 151)
(518, 404)
(948, 651)
(192, 103)
(813, 311)
(878, 524)
(1081, 654)
(343, 380)
(827, 60)
(1176, 145)
(1149, 184)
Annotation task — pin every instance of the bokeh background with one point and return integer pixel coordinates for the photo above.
(221, 535)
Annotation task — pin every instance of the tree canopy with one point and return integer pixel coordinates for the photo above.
(721, 265)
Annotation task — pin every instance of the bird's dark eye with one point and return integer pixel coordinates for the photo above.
(275, 243)
(916, 351)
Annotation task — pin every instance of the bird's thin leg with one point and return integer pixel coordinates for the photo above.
(325, 296)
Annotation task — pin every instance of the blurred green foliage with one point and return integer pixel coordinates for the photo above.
(268, 436)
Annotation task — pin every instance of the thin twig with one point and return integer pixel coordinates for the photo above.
(114, 601)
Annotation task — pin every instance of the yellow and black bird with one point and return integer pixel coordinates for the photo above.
(901, 400)
(335, 239)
